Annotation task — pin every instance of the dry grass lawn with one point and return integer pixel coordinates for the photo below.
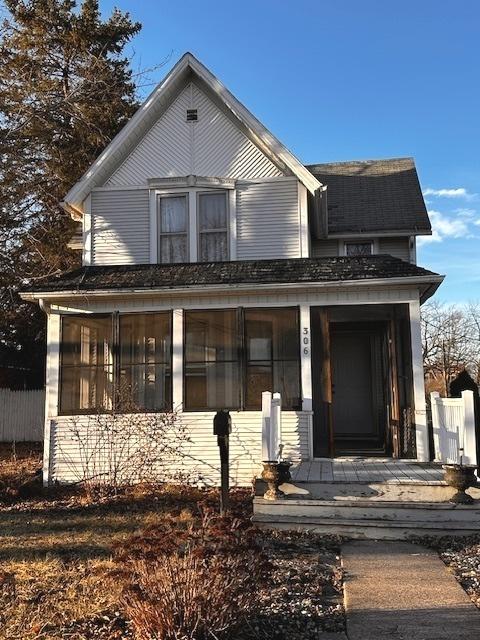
(62, 569)
(57, 578)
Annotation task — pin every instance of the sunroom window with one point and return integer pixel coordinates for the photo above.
(145, 361)
(86, 380)
(272, 356)
(212, 371)
(233, 355)
(120, 362)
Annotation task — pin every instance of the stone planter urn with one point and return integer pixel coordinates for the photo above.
(461, 477)
(272, 475)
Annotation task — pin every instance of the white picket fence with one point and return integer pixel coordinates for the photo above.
(453, 422)
(21, 415)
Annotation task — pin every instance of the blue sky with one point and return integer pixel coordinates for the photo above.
(342, 80)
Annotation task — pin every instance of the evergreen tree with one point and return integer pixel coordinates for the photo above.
(66, 89)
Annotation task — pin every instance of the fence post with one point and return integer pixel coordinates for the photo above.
(469, 441)
(437, 436)
(276, 425)
(266, 425)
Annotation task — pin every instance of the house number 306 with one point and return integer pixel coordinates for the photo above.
(306, 341)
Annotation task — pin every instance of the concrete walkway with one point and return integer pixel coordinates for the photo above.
(402, 591)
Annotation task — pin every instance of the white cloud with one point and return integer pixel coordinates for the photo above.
(444, 227)
(459, 192)
(466, 213)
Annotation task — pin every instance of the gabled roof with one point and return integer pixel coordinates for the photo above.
(373, 196)
(156, 104)
(151, 277)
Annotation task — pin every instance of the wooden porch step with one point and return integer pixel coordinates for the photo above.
(365, 519)
(372, 529)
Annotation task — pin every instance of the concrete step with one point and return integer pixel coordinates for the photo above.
(367, 519)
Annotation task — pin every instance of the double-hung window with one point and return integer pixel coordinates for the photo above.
(192, 225)
(212, 227)
(173, 226)
(118, 362)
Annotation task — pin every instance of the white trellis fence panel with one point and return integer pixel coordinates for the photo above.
(21, 415)
(453, 422)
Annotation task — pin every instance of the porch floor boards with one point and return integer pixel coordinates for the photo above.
(368, 470)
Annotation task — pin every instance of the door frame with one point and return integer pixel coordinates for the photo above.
(395, 379)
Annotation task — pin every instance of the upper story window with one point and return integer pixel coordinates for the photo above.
(212, 227)
(192, 224)
(173, 228)
(358, 248)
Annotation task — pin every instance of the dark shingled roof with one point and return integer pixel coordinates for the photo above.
(171, 276)
(373, 195)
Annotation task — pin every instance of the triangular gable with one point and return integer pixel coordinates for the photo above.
(186, 70)
(213, 145)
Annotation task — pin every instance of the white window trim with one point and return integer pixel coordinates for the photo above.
(342, 244)
(192, 219)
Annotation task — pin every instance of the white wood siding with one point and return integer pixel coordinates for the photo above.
(325, 248)
(268, 219)
(120, 227)
(212, 146)
(200, 458)
(397, 247)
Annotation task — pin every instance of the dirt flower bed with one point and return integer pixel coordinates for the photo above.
(462, 557)
(306, 592)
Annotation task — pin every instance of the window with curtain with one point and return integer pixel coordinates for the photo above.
(145, 350)
(86, 376)
(212, 227)
(272, 354)
(172, 228)
(212, 368)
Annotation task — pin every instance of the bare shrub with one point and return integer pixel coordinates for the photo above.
(106, 452)
(197, 583)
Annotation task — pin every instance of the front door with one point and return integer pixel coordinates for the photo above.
(357, 389)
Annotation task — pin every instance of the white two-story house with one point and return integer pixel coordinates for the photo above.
(216, 266)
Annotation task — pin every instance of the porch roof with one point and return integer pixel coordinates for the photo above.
(246, 272)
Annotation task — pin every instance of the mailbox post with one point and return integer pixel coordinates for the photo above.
(222, 427)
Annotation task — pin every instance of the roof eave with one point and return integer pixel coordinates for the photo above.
(429, 280)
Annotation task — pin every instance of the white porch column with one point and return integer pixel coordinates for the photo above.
(306, 357)
(51, 387)
(177, 359)
(421, 427)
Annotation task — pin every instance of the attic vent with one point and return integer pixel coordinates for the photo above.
(192, 115)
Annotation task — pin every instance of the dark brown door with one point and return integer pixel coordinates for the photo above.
(357, 390)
